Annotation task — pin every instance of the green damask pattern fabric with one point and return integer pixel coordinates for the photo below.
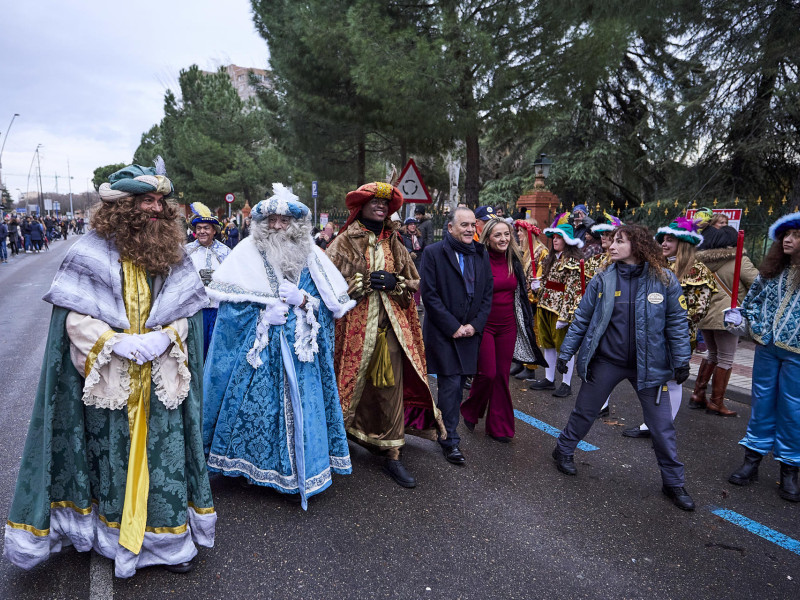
(76, 453)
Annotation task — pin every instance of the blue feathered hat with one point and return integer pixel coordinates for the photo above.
(786, 222)
(202, 214)
(282, 202)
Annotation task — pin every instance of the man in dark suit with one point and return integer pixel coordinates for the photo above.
(456, 290)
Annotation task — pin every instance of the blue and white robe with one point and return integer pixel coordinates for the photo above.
(271, 405)
(208, 257)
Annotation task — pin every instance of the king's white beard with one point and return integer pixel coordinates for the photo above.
(285, 249)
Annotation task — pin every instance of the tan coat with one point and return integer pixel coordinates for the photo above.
(721, 261)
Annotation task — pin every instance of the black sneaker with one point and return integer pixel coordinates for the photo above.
(563, 391)
(541, 384)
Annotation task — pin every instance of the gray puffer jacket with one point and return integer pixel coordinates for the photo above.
(662, 329)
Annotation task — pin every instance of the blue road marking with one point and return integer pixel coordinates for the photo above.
(776, 537)
(586, 447)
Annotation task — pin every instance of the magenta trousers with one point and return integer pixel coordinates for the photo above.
(490, 385)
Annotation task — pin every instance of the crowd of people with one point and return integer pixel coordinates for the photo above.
(263, 359)
(32, 234)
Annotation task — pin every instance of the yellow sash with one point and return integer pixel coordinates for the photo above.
(134, 512)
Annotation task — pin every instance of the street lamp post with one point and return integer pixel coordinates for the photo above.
(541, 170)
(3, 147)
(41, 189)
(69, 180)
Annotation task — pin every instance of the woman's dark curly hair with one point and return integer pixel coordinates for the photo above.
(153, 245)
(776, 260)
(644, 248)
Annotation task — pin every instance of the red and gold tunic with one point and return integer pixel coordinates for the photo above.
(356, 252)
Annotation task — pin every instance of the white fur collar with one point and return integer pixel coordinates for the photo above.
(245, 277)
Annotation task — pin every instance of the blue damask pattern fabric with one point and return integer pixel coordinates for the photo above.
(248, 421)
(772, 309)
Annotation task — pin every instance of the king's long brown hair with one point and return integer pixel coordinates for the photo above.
(154, 245)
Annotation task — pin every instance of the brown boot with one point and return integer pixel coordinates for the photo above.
(698, 399)
(718, 386)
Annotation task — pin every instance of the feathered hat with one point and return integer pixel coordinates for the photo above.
(562, 227)
(282, 202)
(786, 222)
(202, 214)
(135, 180)
(682, 228)
(611, 224)
(703, 217)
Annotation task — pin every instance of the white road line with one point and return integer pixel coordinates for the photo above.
(101, 578)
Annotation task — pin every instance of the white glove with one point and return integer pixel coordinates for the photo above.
(535, 284)
(290, 293)
(561, 324)
(732, 316)
(131, 348)
(154, 344)
(277, 314)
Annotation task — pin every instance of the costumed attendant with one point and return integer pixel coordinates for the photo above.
(114, 456)
(380, 360)
(528, 233)
(271, 407)
(718, 253)
(558, 297)
(771, 313)
(678, 242)
(508, 334)
(207, 255)
(598, 262)
(631, 324)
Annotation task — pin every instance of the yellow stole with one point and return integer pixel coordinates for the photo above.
(137, 299)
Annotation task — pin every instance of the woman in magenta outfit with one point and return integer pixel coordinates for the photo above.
(508, 334)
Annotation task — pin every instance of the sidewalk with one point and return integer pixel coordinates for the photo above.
(741, 378)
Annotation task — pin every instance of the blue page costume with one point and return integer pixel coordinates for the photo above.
(206, 259)
(271, 404)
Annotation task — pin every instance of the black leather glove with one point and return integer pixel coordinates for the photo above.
(682, 374)
(382, 281)
(561, 366)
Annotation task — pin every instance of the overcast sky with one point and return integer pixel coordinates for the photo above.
(88, 77)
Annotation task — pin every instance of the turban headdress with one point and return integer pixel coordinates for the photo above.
(135, 180)
(356, 199)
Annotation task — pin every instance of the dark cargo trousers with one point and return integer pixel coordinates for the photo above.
(604, 377)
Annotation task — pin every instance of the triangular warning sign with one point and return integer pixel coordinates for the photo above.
(412, 186)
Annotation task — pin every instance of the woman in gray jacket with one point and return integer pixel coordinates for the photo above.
(631, 324)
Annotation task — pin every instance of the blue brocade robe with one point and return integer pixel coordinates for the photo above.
(250, 423)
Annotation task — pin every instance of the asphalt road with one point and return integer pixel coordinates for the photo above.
(507, 525)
